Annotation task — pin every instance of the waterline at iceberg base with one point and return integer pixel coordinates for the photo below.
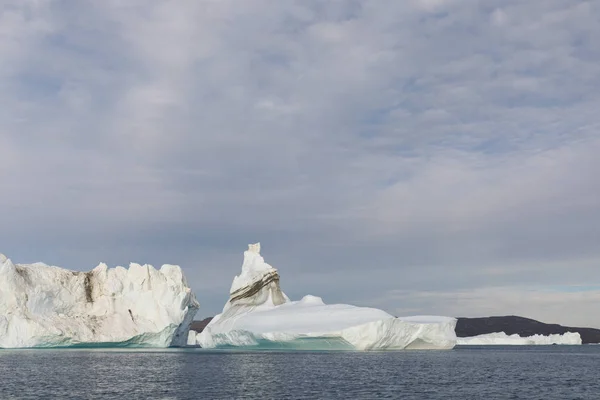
(258, 315)
(47, 306)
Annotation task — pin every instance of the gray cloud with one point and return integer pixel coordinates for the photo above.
(444, 147)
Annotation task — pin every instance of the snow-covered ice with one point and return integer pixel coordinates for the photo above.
(47, 306)
(259, 314)
(501, 338)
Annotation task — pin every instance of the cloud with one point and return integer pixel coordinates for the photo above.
(415, 144)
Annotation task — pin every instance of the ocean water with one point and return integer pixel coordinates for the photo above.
(543, 372)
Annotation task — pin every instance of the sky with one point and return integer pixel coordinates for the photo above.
(420, 156)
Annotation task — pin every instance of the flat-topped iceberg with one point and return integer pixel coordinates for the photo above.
(46, 306)
(259, 315)
(501, 338)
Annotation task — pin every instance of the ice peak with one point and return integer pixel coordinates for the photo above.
(257, 283)
(254, 248)
(253, 268)
(254, 264)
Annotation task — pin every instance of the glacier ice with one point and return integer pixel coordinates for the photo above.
(47, 306)
(259, 315)
(501, 338)
(191, 338)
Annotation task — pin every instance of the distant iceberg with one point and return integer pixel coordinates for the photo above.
(501, 338)
(46, 306)
(259, 315)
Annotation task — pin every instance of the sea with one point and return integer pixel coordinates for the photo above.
(490, 372)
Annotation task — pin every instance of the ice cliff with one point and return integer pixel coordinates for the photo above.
(47, 306)
(258, 314)
(501, 338)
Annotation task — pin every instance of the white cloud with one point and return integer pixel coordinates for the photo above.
(499, 17)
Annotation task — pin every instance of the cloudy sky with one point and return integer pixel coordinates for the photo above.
(421, 156)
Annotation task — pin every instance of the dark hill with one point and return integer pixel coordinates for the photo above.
(199, 326)
(521, 326)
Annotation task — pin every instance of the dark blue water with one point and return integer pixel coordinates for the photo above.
(547, 372)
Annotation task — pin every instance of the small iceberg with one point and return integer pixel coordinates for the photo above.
(502, 339)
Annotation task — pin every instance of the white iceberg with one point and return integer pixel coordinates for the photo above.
(191, 338)
(501, 338)
(46, 306)
(259, 315)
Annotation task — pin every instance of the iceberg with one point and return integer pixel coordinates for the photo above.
(259, 315)
(191, 338)
(501, 338)
(47, 306)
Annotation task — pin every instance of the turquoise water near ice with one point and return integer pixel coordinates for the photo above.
(304, 344)
(495, 372)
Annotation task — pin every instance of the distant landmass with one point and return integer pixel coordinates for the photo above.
(510, 325)
(199, 326)
(523, 327)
